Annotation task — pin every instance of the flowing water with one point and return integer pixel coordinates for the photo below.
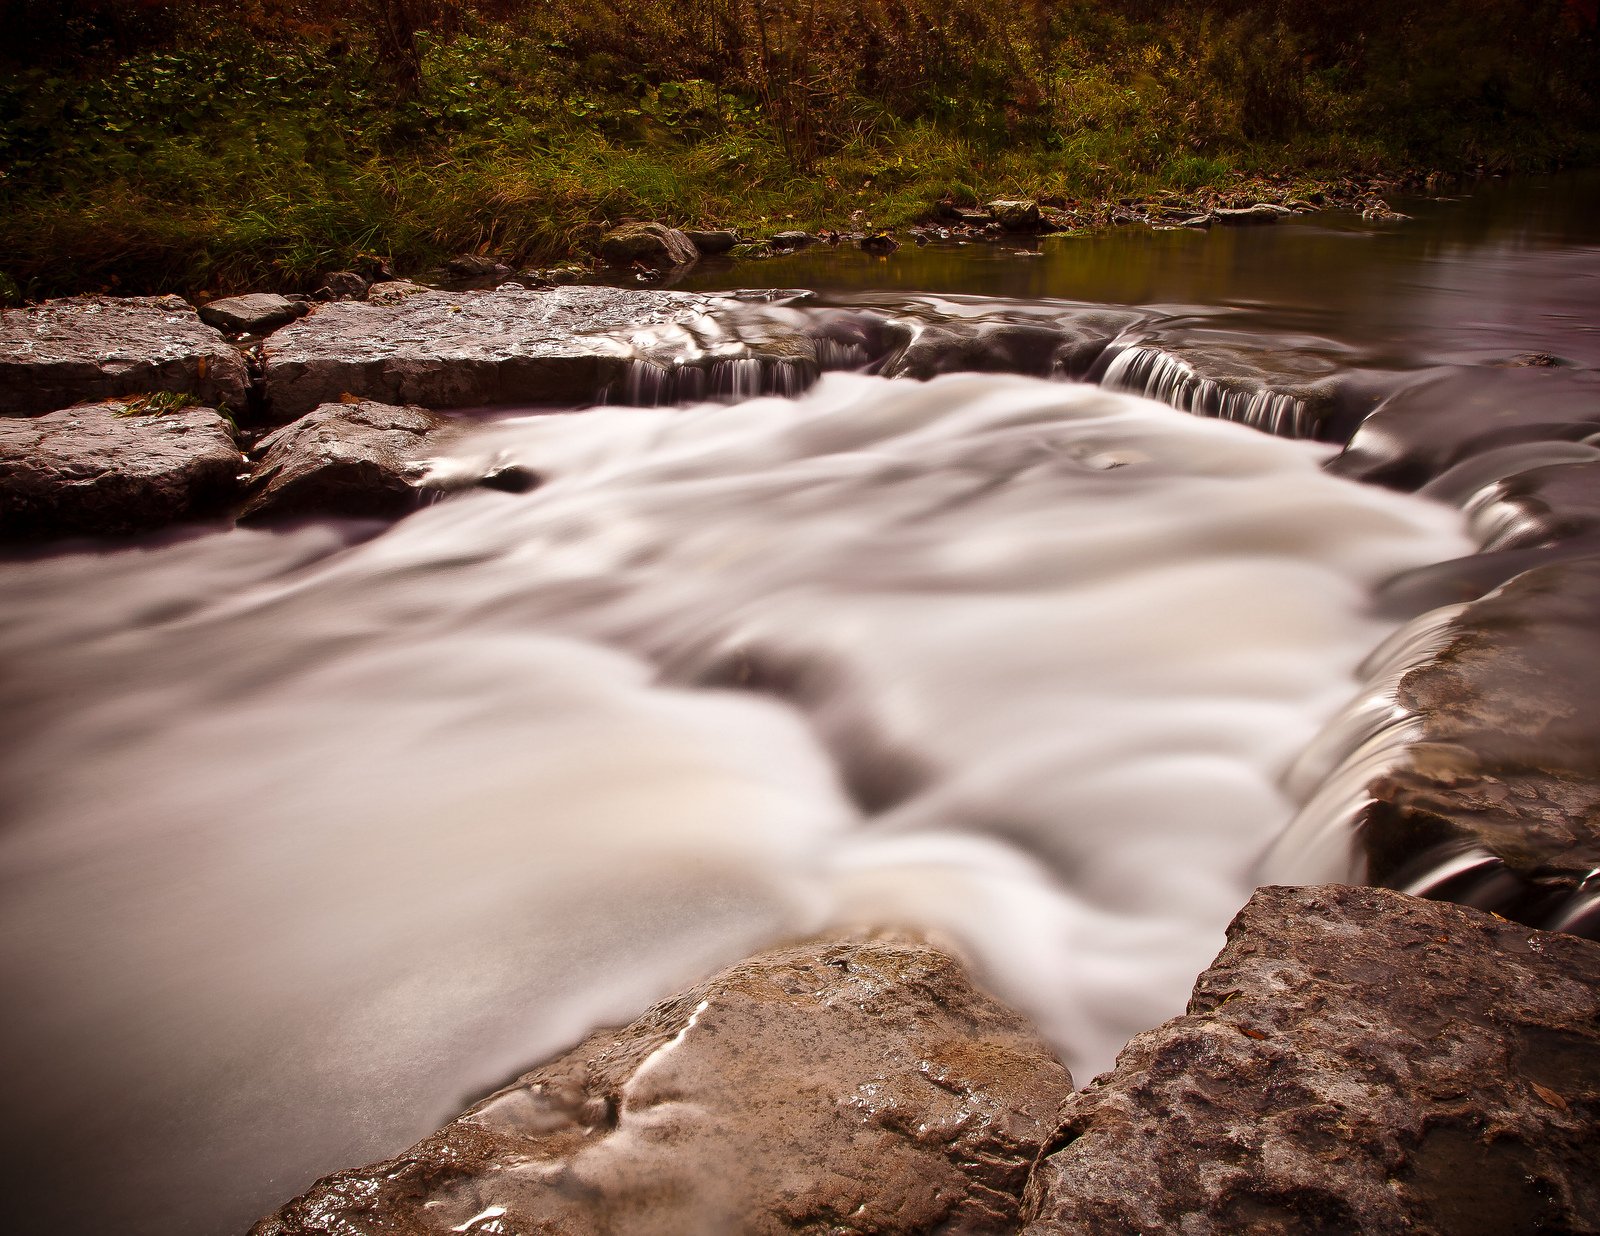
(316, 834)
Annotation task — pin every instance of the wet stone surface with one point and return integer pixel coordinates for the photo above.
(1509, 759)
(96, 470)
(845, 1087)
(470, 349)
(355, 460)
(87, 348)
(1355, 1060)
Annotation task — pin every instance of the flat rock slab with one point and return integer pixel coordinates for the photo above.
(356, 460)
(1355, 1060)
(468, 349)
(841, 1087)
(97, 471)
(1508, 763)
(89, 348)
(255, 314)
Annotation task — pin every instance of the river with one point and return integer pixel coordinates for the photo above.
(315, 834)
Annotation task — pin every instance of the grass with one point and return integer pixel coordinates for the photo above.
(206, 157)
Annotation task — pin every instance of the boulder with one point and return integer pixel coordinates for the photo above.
(256, 314)
(1355, 1060)
(651, 243)
(356, 460)
(100, 470)
(1015, 215)
(715, 242)
(467, 349)
(90, 348)
(846, 1087)
(393, 291)
(1508, 760)
(792, 239)
(471, 266)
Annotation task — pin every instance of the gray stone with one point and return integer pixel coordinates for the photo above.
(1355, 1060)
(466, 349)
(97, 470)
(355, 460)
(89, 348)
(714, 242)
(846, 1087)
(792, 239)
(1261, 212)
(651, 243)
(255, 314)
(1015, 214)
(471, 266)
(393, 291)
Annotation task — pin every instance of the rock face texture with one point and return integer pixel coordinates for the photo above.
(847, 1087)
(255, 314)
(1509, 760)
(342, 459)
(96, 471)
(465, 349)
(655, 244)
(88, 348)
(1355, 1060)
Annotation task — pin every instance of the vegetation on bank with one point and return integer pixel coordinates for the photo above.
(157, 145)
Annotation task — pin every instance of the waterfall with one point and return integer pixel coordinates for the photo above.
(1157, 374)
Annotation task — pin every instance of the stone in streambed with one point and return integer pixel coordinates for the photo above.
(357, 460)
(1355, 1060)
(844, 1087)
(467, 349)
(88, 348)
(1508, 762)
(715, 242)
(255, 314)
(1015, 215)
(651, 243)
(98, 470)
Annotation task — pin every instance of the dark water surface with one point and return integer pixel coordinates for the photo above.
(312, 836)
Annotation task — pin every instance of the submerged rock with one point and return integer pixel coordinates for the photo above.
(99, 470)
(88, 348)
(255, 314)
(1355, 1060)
(466, 349)
(844, 1087)
(343, 459)
(655, 244)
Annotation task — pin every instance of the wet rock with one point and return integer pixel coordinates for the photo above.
(841, 1087)
(358, 460)
(471, 266)
(344, 285)
(88, 348)
(1064, 345)
(791, 240)
(394, 291)
(98, 470)
(1015, 215)
(1452, 415)
(1355, 1060)
(880, 242)
(651, 243)
(715, 242)
(1508, 762)
(256, 314)
(466, 349)
(1261, 212)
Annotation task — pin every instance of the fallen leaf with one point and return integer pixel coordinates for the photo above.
(1549, 1096)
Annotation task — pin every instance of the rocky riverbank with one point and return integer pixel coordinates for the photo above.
(1355, 1060)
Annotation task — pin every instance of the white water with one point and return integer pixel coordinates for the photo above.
(313, 839)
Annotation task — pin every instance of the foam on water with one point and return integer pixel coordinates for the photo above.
(318, 833)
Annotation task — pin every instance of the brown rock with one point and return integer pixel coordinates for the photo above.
(1355, 1060)
(834, 1087)
(258, 313)
(1509, 758)
(343, 459)
(88, 348)
(654, 244)
(96, 470)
